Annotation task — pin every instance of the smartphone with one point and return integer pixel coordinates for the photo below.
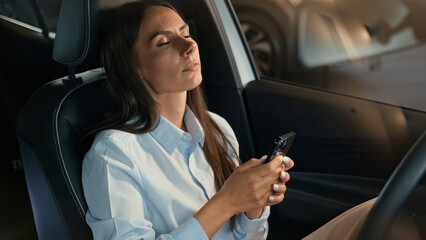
(281, 145)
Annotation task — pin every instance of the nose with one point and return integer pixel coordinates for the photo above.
(189, 46)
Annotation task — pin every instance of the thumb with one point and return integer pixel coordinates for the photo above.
(254, 162)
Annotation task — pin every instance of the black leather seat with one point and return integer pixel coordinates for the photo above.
(47, 132)
(49, 125)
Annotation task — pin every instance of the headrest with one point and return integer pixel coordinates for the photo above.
(79, 27)
(81, 24)
(73, 32)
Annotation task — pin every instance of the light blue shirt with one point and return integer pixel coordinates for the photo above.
(149, 186)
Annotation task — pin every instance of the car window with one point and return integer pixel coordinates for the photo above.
(19, 10)
(369, 49)
(23, 11)
(50, 12)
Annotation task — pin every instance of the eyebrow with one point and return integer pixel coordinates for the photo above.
(164, 32)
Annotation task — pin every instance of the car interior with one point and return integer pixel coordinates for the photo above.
(346, 151)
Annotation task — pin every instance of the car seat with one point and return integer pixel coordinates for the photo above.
(50, 122)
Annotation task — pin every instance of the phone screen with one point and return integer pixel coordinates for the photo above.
(281, 145)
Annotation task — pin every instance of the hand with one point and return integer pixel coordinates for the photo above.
(247, 190)
(279, 187)
(249, 187)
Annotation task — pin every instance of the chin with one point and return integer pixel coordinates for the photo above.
(190, 81)
(195, 81)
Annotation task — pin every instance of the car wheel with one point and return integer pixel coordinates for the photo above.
(265, 40)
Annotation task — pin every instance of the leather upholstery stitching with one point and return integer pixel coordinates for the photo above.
(62, 163)
(59, 152)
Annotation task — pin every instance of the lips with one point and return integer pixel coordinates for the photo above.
(192, 67)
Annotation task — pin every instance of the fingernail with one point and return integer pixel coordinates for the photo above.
(282, 174)
(271, 198)
(281, 158)
(286, 159)
(276, 187)
(263, 157)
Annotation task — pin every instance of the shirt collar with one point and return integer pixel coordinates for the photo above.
(193, 126)
(169, 136)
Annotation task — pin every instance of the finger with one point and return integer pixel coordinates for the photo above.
(250, 164)
(268, 181)
(274, 199)
(288, 162)
(270, 167)
(264, 200)
(279, 188)
(277, 176)
(284, 176)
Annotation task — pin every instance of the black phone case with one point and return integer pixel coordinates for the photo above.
(281, 145)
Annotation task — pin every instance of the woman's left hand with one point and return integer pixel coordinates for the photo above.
(279, 188)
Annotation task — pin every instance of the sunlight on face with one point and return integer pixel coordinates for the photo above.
(167, 58)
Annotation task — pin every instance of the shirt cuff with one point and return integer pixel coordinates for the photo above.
(190, 229)
(253, 225)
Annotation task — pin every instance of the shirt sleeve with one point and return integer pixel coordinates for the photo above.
(118, 207)
(251, 229)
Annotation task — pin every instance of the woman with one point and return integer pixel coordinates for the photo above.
(162, 166)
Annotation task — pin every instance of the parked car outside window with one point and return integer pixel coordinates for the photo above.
(368, 49)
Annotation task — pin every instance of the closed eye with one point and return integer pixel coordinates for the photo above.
(163, 44)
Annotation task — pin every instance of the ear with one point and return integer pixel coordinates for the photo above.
(140, 72)
(137, 65)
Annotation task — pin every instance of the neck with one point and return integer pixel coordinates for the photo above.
(172, 107)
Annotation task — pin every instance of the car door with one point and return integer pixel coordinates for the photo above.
(354, 118)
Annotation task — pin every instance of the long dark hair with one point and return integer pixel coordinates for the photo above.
(133, 101)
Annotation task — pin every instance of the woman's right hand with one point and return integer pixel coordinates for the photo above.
(247, 190)
(249, 187)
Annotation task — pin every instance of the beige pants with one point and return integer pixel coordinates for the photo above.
(347, 225)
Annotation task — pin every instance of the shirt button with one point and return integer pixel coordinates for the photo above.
(185, 137)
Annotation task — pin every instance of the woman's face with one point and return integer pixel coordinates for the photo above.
(167, 58)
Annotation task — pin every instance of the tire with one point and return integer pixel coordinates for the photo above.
(266, 40)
